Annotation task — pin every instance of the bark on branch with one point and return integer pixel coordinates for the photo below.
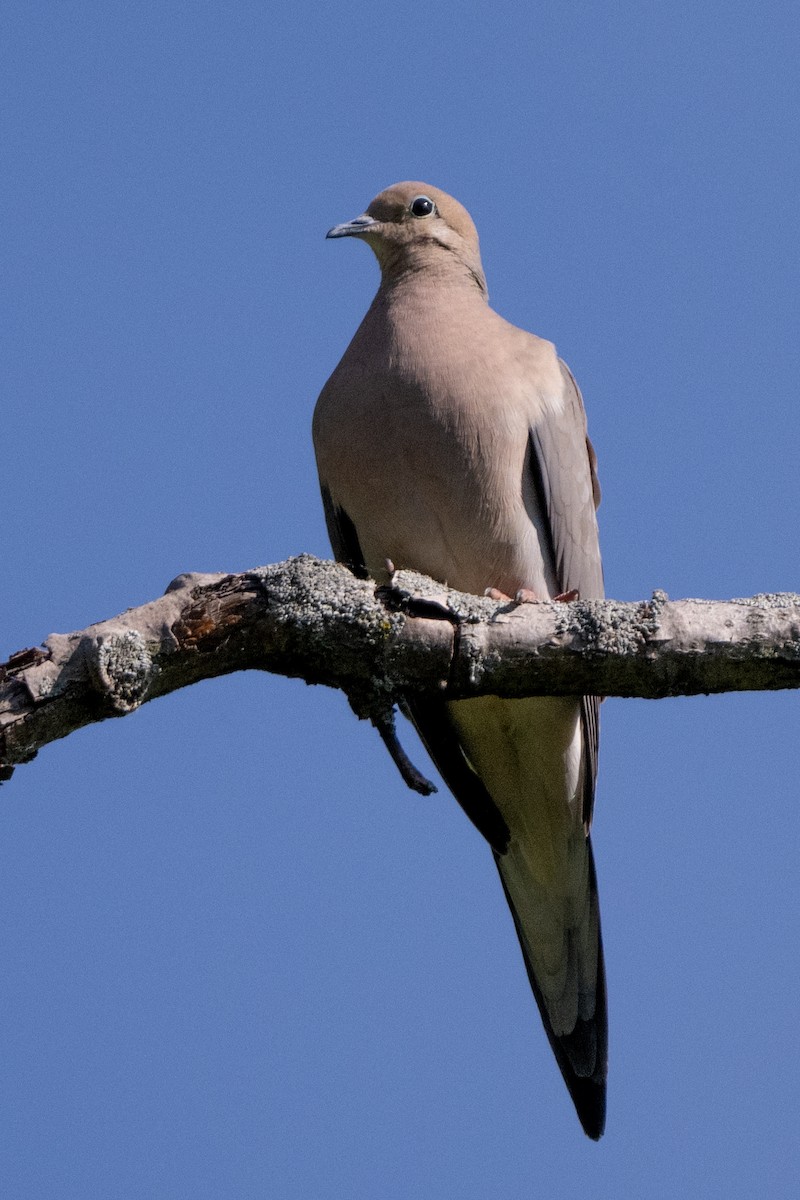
(316, 621)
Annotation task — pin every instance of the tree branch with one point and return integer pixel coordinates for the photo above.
(314, 620)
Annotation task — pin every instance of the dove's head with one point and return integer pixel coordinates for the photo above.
(413, 227)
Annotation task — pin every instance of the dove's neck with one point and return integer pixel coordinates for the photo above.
(440, 270)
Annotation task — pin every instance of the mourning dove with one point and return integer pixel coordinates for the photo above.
(452, 443)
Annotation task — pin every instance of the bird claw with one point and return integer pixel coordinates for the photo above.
(526, 596)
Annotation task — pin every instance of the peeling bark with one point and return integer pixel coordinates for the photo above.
(314, 620)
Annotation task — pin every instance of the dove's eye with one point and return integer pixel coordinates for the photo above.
(421, 206)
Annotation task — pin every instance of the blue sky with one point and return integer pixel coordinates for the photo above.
(239, 959)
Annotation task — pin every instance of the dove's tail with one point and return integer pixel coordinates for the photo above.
(572, 1002)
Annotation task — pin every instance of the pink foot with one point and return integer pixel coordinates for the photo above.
(526, 596)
